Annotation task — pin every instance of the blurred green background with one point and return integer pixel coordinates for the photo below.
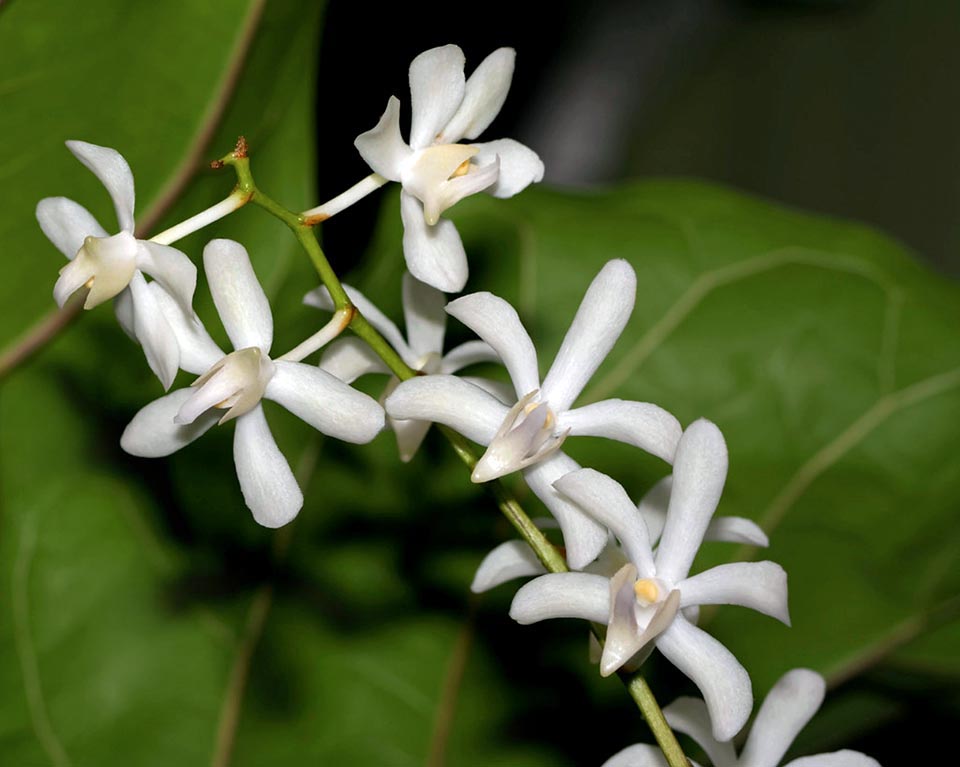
(146, 620)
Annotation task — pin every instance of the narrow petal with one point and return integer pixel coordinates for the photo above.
(723, 682)
(844, 758)
(689, 716)
(699, 472)
(562, 595)
(497, 323)
(153, 332)
(484, 93)
(499, 389)
(761, 586)
(637, 755)
(736, 530)
(112, 169)
(451, 401)
(510, 560)
(520, 166)
(606, 501)
(789, 705)
(269, 488)
(434, 254)
(153, 433)
(171, 268)
(198, 351)
(325, 402)
(653, 507)
(410, 434)
(350, 358)
(241, 302)
(72, 277)
(647, 426)
(423, 315)
(123, 309)
(583, 536)
(466, 354)
(436, 90)
(382, 147)
(599, 321)
(67, 224)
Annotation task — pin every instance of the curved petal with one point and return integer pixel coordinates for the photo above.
(736, 530)
(153, 433)
(699, 471)
(153, 332)
(269, 488)
(320, 298)
(170, 268)
(583, 537)
(434, 254)
(423, 315)
(447, 193)
(123, 309)
(72, 277)
(723, 682)
(198, 351)
(599, 321)
(484, 93)
(325, 402)
(497, 323)
(789, 705)
(410, 434)
(466, 354)
(647, 426)
(350, 358)
(510, 560)
(382, 147)
(562, 595)
(606, 501)
(520, 166)
(653, 507)
(689, 716)
(637, 755)
(112, 169)
(451, 401)
(761, 586)
(241, 302)
(499, 389)
(436, 90)
(67, 224)
(844, 758)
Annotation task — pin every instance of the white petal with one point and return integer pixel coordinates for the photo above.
(451, 401)
(241, 302)
(67, 224)
(510, 560)
(325, 402)
(72, 277)
(761, 586)
(637, 755)
(499, 389)
(689, 716)
(723, 682)
(642, 424)
(563, 595)
(410, 435)
(170, 268)
(520, 166)
(112, 169)
(736, 530)
(153, 433)
(602, 315)
(153, 332)
(269, 488)
(583, 536)
(350, 358)
(844, 758)
(466, 354)
(606, 501)
(653, 507)
(320, 298)
(198, 351)
(789, 705)
(445, 194)
(484, 93)
(382, 147)
(434, 254)
(436, 91)
(699, 471)
(424, 316)
(497, 323)
(123, 309)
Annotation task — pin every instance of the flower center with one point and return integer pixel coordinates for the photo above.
(434, 177)
(104, 264)
(235, 384)
(647, 591)
(430, 363)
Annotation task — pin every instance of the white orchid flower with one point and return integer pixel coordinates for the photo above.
(515, 559)
(231, 387)
(436, 172)
(350, 358)
(641, 603)
(113, 266)
(789, 705)
(528, 436)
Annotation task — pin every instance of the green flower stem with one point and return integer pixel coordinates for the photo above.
(643, 696)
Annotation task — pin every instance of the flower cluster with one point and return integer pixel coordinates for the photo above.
(630, 564)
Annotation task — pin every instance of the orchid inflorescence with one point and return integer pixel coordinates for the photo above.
(629, 563)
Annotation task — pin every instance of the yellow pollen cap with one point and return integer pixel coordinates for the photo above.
(646, 590)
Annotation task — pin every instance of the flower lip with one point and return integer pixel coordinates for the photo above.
(105, 264)
(236, 384)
